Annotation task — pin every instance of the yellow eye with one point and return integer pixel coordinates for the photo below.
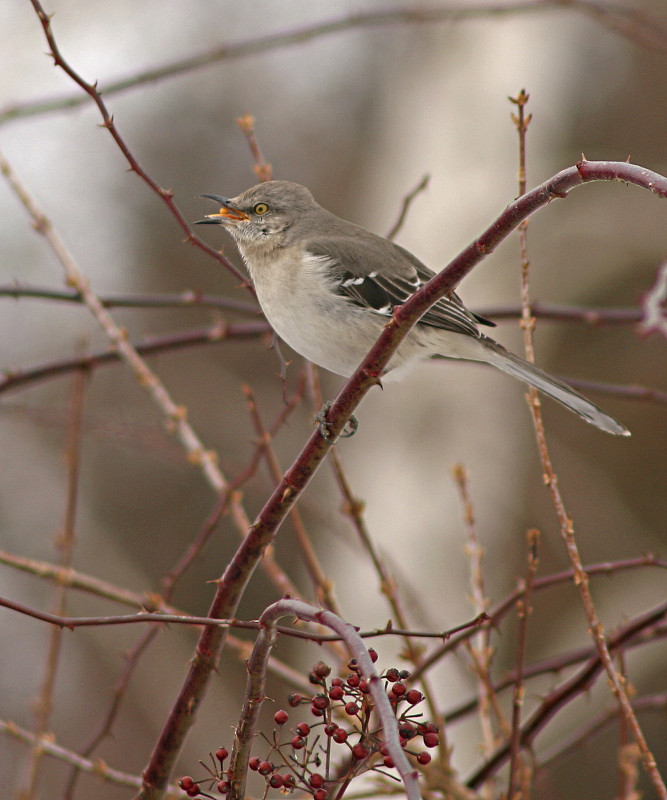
(260, 208)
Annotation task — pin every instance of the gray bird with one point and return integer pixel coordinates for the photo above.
(327, 287)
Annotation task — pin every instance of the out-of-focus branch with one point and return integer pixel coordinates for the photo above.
(187, 299)
(261, 166)
(92, 767)
(500, 611)
(642, 28)
(219, 332)
(165, 195)
(194, 299)
(175, 415)
(654, 318)
(569, 689)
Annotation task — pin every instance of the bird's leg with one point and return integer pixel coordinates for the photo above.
(321, 424)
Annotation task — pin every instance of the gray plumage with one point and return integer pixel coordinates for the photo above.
(328, 286)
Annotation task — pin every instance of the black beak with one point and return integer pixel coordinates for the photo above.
(227, 212)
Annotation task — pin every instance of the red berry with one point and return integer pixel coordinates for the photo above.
(294, 699)
(406, 730)
(431, 739)
(223, 787)
(265, 768)
(373, 654)
(316, 712)
(340, 736)
(336, 681)
(321, 670)
(363, 687)
(388, 761)
(186, 783)
(320, 701)
(398, 689)
(298, 743)
(289, 780)
(330, 728)
(360, 752)
(254, 763)
(414, 696)
(392, 675)
(353, 665)
(320, 794)
(221, 754)
(351, 709)
(276, 781)
(316, 780)
(353, 680)
(336, 693)
(194, 791)
(280, 717)
(303, 729)
(424, 758)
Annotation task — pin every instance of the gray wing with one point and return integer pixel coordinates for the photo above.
(378, 274)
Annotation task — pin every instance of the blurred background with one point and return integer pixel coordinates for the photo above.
(359, 115)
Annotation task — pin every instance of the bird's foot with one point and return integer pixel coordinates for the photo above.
(321, 424)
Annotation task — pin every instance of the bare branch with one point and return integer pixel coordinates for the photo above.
(642, 28)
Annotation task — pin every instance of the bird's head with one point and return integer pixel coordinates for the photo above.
(263, 213)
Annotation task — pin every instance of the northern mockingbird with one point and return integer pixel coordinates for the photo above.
(327, 287)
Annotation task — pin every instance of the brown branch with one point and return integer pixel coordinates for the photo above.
(96, 767)
(570, 689)
(165, 195)
(654, 318)
(261, 168)
(497, 614)
(189, 298)
(560, 313)
(194, 299)
(652, 702)
(642, 28)
(64, 545)
(554, 665)
(219, 332)
(408, 200)
(217, 622)
(323, 586)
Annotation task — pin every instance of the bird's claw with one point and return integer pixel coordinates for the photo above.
(321, 424)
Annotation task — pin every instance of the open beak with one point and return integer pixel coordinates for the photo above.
(227, 213)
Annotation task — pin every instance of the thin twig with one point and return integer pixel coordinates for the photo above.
(175, 415)
(565, 522)
(655, 305)
(92, 767)
(323, 586)
(479, 647)
(91, 90)
(408, 200)
(64, 545)
(644, 29)
(220, 332)
(261, 167)
(190, 298)
(568, 690)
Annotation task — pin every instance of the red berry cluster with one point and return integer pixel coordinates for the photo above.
(217, 776)
(299, 758)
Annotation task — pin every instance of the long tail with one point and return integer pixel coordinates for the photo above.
(503, 359)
